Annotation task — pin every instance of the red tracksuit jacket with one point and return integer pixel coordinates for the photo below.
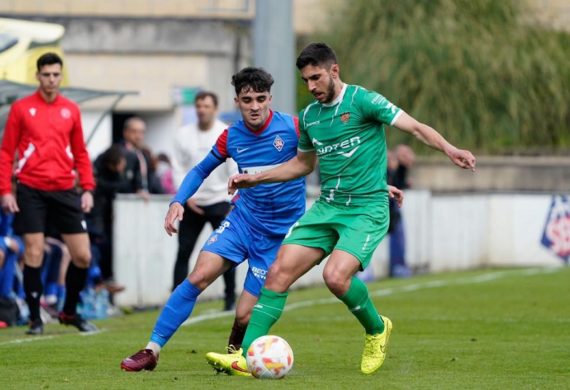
(49, 140)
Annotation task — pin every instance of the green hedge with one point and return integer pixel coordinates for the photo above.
(480, 71)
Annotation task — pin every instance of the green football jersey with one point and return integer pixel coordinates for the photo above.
(348, 137)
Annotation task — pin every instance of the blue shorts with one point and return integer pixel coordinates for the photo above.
(236, 241)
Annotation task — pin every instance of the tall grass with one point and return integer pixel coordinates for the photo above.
(480, 71)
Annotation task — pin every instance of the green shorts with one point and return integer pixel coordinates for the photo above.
(356, 229)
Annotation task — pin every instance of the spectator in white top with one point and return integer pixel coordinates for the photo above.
(211, 202)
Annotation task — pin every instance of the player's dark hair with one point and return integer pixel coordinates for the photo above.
(48, 59)
(250, 78)
(316, 54)
(206, 94)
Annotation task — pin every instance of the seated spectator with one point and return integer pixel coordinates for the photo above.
(164, 174)
(11, 248)
(54, 267)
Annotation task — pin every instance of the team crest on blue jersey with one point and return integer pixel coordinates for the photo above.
(556, 234)
(278, 143)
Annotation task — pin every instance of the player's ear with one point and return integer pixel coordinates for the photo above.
(38, 76)
(335, 70)
(236, 101)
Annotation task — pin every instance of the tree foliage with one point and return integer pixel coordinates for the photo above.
(480, 71)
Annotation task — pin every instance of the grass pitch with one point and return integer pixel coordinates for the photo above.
(490, 329)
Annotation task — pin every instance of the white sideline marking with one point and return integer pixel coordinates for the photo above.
(31, 339)
(208, 316)
(391, 291)
(327, 301)
(96, 332)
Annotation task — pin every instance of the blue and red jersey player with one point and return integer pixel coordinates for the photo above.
(262, 215)
(256, 226)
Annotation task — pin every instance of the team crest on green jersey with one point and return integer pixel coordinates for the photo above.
(345, 117)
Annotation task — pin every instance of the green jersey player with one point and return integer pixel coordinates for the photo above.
(344, 129)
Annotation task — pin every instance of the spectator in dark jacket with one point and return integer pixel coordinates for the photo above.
(399, 162)
(139, 170)
(109, 170)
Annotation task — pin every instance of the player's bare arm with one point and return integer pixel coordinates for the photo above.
(174, 214)
(429, 136)
(300, 165)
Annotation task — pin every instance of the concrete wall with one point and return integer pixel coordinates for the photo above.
(224, 9)
(516, 173)
(153, 57)
(444, 233)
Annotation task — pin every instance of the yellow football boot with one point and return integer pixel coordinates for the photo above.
(375, 349)
(232, 363)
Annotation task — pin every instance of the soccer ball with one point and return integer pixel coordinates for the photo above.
(269, 357)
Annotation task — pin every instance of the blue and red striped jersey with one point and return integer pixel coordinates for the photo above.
(270, 208)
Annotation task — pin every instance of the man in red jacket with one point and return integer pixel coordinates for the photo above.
(44, 129)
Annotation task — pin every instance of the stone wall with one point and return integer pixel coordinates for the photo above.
(500, 174)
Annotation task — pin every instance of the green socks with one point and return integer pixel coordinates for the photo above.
(270, 305)
(359, 303)
(265, 313)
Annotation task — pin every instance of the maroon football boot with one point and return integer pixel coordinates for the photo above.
(144, 359)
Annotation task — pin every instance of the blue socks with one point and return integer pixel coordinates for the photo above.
(177, 309)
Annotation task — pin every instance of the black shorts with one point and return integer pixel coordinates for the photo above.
(41, 209)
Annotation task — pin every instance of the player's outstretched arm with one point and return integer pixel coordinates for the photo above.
(429, 136)
(195, 177)
(300, 165)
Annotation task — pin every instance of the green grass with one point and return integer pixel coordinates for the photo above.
(511, 330)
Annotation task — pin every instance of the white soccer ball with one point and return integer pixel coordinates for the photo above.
(269, 357)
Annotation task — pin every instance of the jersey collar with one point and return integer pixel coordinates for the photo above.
(41, 98)
(338, 98)
(265, 125)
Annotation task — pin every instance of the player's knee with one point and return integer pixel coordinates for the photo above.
(269, 280)
(199, 279)
(277, 279)
(243, 316)
(336, 282)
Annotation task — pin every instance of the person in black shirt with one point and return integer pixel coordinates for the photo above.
(109, 169)
(399, 163)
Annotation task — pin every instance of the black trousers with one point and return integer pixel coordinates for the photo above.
(190, 228)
